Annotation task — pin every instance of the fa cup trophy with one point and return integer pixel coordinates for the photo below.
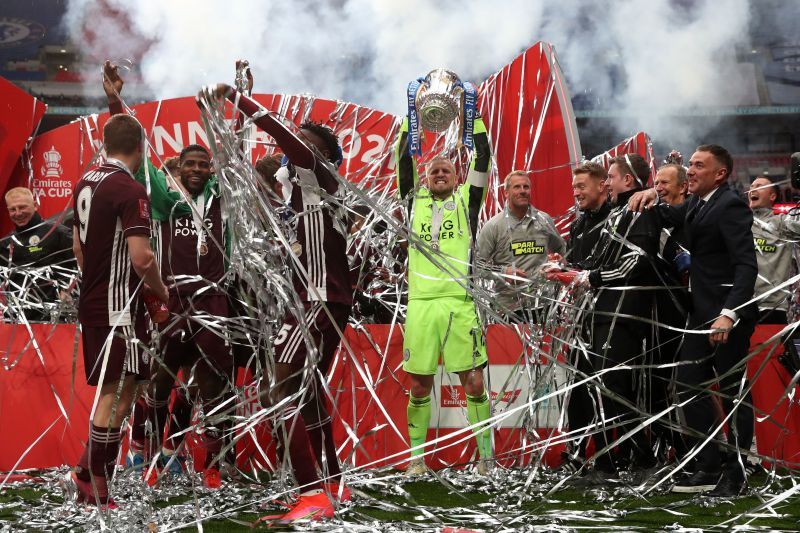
(438, 100)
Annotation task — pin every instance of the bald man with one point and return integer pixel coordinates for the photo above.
(441, 321)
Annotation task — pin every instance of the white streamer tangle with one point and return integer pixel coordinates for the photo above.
(543, 373)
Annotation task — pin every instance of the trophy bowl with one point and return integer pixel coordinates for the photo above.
(439, 100)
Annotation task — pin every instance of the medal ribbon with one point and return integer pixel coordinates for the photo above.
(470, 102)
(202, 205)
(413, 118)
(436, 223)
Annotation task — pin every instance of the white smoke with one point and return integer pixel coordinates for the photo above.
(358, 50)
(655, 63)
(644, 59)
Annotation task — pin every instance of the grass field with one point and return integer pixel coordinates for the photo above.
(384, 501)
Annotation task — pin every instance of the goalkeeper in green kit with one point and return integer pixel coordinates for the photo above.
(441, 319)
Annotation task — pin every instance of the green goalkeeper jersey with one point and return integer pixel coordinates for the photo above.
(442, 230)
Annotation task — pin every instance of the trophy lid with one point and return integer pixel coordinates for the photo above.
(442, 76)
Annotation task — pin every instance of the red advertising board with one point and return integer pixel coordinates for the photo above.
(525, 105)
(20, 114)
(44, 402)
(638, 144)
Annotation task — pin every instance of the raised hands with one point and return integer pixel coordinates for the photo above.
(112, 82)
(215, 92)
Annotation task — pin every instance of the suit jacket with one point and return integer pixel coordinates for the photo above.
(720, 240)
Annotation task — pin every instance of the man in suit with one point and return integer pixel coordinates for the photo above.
(723, 273)
(29, 287)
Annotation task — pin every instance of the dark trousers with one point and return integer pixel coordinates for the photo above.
(580, 406)
(615, 344)
(772, 316)
(664, 351)
(701, 366)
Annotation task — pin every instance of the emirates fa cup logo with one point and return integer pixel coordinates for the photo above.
(52, 166)
(454, 395)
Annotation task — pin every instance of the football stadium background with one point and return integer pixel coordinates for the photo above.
(39, 53)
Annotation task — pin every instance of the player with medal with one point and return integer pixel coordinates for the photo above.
(305, 346)
(441, 318)
(192, 248)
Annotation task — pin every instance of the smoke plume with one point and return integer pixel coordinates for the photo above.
(643, 59)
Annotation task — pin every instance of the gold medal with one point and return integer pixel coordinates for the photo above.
(297, 248)
(203, 249)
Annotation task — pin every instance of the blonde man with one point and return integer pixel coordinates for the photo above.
(441, 320)
(34, 243)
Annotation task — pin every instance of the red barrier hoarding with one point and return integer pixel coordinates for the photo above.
(44, 402)
(20, 114)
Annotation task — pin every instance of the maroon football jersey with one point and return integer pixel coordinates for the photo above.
(190, 259)
(320, 233)
(319, 244)
(109, 206)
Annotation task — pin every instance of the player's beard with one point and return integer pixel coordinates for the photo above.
(194, 186)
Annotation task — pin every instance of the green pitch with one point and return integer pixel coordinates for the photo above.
(388, 502)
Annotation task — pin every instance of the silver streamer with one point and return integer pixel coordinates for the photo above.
(517, 494)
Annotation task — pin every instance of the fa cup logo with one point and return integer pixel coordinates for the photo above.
(52, 167)
(454, 395)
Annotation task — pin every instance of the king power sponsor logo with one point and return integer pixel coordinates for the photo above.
(511, 388)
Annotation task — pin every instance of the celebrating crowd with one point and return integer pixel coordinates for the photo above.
(674, 279)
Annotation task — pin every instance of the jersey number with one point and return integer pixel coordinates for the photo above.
(84, 204)
(283, 334)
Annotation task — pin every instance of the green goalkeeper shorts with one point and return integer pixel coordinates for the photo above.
(446, 327)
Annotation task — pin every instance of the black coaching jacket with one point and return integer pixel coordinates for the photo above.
(623, 257)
